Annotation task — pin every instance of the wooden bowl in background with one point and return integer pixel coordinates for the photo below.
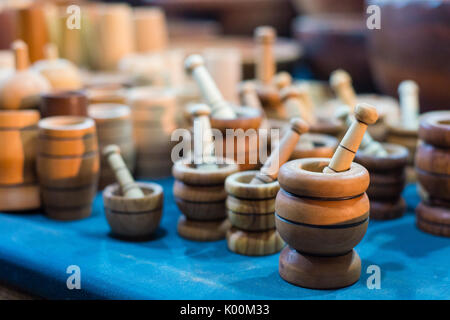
(413, 43)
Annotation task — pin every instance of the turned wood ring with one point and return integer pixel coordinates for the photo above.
(434, 128)
(190, 174)
(434, 220)
(304, 177)
(431, 159)
(397, 157)
(238, 185)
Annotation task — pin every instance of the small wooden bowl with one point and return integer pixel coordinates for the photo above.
(323, 146)
(137, 217)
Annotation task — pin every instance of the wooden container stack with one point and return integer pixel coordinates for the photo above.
(133, 210)
(387, 180)
(322, 213)
(153, 112)
(433, 173)
(19, 189)
(68, 166)
(114, 126)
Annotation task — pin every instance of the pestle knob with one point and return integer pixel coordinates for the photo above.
(203, 140)
(51, 51)
(249, 96)
(195, 65)
(265, 62)
(282, 80)
(129, 188)
(365, 115)
(294, 105)
(282, 152)
(408, 92)
(341, 82)
(368, 144)
(20, 49)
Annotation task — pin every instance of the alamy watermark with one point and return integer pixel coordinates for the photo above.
(74, 280)
(374, 19)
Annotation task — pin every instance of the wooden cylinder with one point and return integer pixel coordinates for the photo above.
(387, 180)
(200, 196)
(153, 114)
(153, 19)
(250, 210)
(19, 189)
(265, 62)
(114, 126)
(64, 103)
(68, 166)
(321, 214)
(243, 145)
(134, 218)
(433, 173)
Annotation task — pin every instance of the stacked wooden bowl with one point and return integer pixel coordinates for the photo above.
(153, 112)
(114, 126)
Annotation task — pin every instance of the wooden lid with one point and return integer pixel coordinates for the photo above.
(304, 177)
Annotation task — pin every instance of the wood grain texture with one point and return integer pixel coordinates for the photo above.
(434, 128)
(319, 272)
(68, 177)
(433, 219)
(19, 189)
(254, 243)
(134, 218)
(202, 230)
(384, 210)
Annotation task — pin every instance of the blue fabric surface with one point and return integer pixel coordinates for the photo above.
(35, 252)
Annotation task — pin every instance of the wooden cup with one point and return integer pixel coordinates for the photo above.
(68, 166)
(200, 195)
(133, 218)
(322, 217)
(64, 103)
(19, 189)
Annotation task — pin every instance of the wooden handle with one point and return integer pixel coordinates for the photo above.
(195, 65)
(341, 82)
(282, 80)
(265, 61)
(203, 139)
(368, 144)
(365, 115)
(51, 51)
(408, 92)
(20, 49)
(249, 96)
(129, 188)
(281, 154)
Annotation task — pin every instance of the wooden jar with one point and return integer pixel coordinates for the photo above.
(200, 195)
(251, 212)
(323, 146)
(387, 180)
(64, 103)
(114, 126)
(19, 189)
(245, 150)
(322, 217)
(408, 138)
(133, 218)
(68, 166)
(153, 112)
(433, 173)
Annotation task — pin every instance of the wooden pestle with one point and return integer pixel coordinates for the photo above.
(129, 187)
(341, 82)
(294, 104)
(265, 36)
(269, 171)
(408, 92)
(21, 55)
(202, 130)
(220, 108)
(342, 159)
(51, 51)
(249, 96)
(368, 144)
(282, 80)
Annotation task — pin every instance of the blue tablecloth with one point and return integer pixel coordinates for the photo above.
(35, 253)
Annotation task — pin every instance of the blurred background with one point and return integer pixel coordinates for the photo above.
(315, 37)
